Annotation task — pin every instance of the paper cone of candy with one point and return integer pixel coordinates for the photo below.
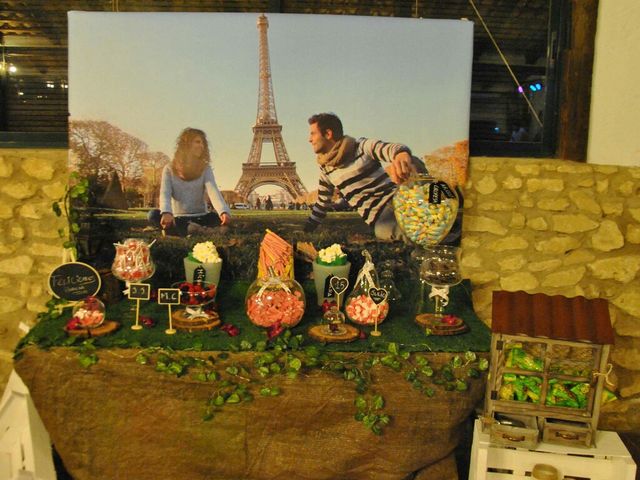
(425, 209)
(203, 264)
(275, 299)
(330, 262)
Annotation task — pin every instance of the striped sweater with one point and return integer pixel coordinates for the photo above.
(362, 181)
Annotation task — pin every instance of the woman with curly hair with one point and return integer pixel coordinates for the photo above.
(184, 183)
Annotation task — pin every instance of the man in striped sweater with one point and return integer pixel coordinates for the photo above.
(357, 169)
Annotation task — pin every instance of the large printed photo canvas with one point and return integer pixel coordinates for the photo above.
(137, 80)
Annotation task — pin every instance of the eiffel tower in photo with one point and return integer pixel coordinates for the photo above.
(282, 172)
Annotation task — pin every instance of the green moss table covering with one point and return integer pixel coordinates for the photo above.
(146, 405)
(399, 327)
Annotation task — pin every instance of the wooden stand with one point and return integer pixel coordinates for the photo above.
(317, 332)
(206, 321)
(434, 323)
(106, 328)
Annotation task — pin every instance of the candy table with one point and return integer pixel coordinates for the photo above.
(122, 419)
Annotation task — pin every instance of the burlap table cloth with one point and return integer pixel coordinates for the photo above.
(122, 420)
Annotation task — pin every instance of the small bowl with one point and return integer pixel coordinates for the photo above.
(196, 294)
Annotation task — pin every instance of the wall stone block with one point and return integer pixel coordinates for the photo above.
(613, 208)
(538, 223)
(623, 268)
(36, 210)
(526, 200)
(496, 206)
(630, 385)
(519, 281)
(626, 353)
(629, 300)
(557, 245)
(585, 202)
(54, 190)
(6, 167)
(602, 186)
(486, 185)
(635, 214)
(627, 188)
(512, 183)
(47, 229)
(512, 242)
(608, 237)
(580, 256)
(586, 182)
(633, 233)
(573, 223)
(20, 190)
(482, 277)
(514, 262)
(10, 304)
(46, 250)
(7, 248)
(558, 204)
(564, 278)
(37, 168)
(571, 167)
(17, 232)
(627, 326)
(470, 260)
(20, 265)
(547, 184)
(518, 221)
(527, 169)
(544, 265)
(606, 169)
(6, 211)
(475, 223)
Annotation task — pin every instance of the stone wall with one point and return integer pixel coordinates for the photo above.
(537, 225)
(561, 228)
(30, 181)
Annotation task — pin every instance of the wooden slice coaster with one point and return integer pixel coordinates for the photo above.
(107, 327)
(434, 323)
(206, 321)
(317, 332)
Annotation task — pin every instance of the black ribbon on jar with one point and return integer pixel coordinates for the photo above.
(437, 189)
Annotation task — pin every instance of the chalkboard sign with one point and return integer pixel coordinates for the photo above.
(169, 296)
(74, 281)
(139, 291)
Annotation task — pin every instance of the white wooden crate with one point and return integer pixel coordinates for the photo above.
(608, 460)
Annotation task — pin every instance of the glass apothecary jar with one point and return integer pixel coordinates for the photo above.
(132, 262)
(274, 300)
(425, 209)
(360, 308)
(90, 313)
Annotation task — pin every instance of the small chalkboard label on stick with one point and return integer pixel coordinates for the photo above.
(74, 281)
(169, 296)
(139, 291)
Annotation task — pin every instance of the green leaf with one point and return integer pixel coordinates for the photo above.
(142, 359)
(201, 377)
(212, 376)
(429, 392)
(86, 360)
(456, 362)
(275, 368)
(376, 429)
(233, 398)
(392, 347)
(265, 391)
(263, 371)
(360, 402)
(232, 370)
(483, 364)
(461, 385)
(295, 364)
(378, 402)
(470, 356)
(218, 401)
(359, 416)
(245, 345)
(261, 346)
(275, 391)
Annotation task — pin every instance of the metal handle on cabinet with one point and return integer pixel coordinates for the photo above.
(568, 436)
(513, 439)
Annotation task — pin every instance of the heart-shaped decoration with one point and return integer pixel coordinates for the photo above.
(378, 295)
(339, 285)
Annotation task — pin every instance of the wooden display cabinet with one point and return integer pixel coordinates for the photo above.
(548, 362)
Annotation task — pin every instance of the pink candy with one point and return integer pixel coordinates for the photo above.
(275, 306)
(361, 309)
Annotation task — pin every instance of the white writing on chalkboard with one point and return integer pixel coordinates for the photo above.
(70, 280)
